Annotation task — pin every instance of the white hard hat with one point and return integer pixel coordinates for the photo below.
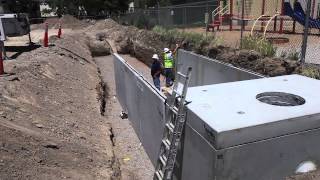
(166, 50)
(155, 56)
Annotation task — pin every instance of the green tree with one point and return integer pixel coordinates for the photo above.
(92, 7)
(22, 6)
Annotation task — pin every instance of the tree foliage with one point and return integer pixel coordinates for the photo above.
(88, 7)
(154, 3)
(21, 6)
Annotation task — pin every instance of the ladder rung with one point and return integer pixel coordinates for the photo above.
(166, 143)
(170, 126)
(173, 109)
(177, 92)
(159, 175)
(174, 124)
(163, 160)
(182, 75)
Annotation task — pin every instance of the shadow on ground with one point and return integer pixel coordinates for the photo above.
(16, 51)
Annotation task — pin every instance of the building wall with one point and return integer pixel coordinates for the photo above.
(43, 8)
(316, 12)
(253, 8)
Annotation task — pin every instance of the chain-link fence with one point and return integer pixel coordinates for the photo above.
(186, 15)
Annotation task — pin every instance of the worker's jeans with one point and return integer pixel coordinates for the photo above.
(156, 82)
(169, 76)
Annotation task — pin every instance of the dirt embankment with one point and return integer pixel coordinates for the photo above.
(139, 43)
(142, 44)
(50, 122)
(254, 61)
(67, 22)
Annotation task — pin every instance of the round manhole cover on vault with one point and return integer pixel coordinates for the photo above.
(280, 99)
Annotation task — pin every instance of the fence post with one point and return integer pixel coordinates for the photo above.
(313, 8)
(185, 16)
(262, 13)
(231, 13)
(158, 12)
(305, 34)
(242, 23)
(207, 18)
(1, 61)
(281, 20)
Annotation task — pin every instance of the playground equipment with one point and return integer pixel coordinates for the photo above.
(263, 18)
(230, 12)
(218, 15)
(276, 16)
(299, 15)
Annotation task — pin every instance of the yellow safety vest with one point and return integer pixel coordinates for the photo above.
(168, 61)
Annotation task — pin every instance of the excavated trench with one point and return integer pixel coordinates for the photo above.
(131, 157)
(134, 162)
(49, 116)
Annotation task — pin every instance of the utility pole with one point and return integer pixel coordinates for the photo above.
(305, 34)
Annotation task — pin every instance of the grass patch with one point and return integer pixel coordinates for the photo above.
(259, 44)
(139, 20)
(291, 54)
(312, 72)
(197, 40)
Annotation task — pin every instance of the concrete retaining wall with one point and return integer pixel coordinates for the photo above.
(206, 71)
(143, 103)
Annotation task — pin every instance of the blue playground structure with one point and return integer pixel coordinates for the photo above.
(299, 15)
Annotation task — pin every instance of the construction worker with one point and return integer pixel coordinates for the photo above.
(156, 71)
(168, 62)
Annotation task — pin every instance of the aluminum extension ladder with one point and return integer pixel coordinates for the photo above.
(175, 122)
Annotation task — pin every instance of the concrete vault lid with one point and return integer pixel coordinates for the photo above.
(242, 112)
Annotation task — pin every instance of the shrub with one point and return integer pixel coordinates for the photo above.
(294, 55)
(139, 19)
(144, 22)
(291, 54)
(196, 40)
(259, 44)
(310, 71)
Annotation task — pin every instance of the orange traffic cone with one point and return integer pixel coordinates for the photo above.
(60, 31)
(46, 38)
(1, 64)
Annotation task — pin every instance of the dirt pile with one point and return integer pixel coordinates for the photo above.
(98, 44)
(253, 61)
(129, 40)
(50, 122)
(309, 176)
(67, 22)
(104, 25)
(70, 22)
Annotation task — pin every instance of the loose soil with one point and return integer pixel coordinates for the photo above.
(50, 115)
(134, 162)
(67, 22)
(50, 122)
